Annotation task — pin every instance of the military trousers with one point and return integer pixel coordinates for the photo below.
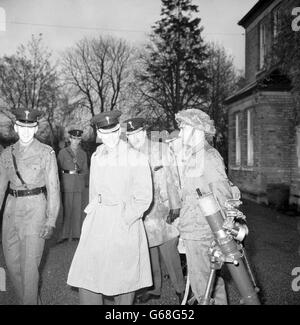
(198, 264)
(23, 256)
(72, 214)
(171, 258)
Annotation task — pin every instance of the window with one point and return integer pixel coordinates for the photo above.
(298, 145)
(237, 140)
(250, 137)
(275, 22)
(262, 45)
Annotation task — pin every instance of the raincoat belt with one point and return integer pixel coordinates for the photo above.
(102, 199)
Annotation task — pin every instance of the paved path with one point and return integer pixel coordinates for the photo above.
(272, 245)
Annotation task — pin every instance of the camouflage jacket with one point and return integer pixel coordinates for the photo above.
(204, 169)
(165, 193)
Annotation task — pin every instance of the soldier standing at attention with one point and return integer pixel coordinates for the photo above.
(112, 257)
(201, 166)
(72, 162)
(32, 204)
(165, 208)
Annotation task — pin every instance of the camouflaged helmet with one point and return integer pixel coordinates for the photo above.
(196, 119)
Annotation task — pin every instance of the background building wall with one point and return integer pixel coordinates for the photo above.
(274, 143)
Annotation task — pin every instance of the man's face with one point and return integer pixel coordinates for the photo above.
(110, 139)
(26, 133)
(74, 141)
(137, 139)
(186, 132)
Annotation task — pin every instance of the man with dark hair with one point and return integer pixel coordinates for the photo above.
(112, 257)
(72, 162)
(32, 204)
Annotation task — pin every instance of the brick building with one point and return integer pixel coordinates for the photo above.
(263, 138)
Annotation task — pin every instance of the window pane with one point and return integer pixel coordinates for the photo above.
(249, 138)
(262, 43)
(237, 140)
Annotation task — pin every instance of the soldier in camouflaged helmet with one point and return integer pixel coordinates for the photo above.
(32, 205)
(201, 166)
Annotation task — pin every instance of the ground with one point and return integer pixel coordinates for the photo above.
(272, 246)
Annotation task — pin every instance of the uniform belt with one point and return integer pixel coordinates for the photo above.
(64, 171)
(34, 191)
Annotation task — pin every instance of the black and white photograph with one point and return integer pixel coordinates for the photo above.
(150, 154)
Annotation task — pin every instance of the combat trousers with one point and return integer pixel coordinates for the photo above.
(171, 257)
(198, 264)
(23, 257)
(88, 297)
(72, 214)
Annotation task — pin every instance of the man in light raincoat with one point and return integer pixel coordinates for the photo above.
(112, 257)
(200, 166)
(162, 234)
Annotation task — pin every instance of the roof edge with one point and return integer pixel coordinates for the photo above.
(254, 11)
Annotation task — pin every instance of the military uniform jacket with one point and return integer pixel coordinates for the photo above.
(66, 158)
(203, 169)
(37, 166)
(165, 193)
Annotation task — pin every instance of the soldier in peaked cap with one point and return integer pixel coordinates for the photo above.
(32, 204)
(162, 234)
(107, 122)
(201, 166)
(72, 162)
(112, 257)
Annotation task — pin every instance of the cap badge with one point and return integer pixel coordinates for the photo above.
(26, 114)
(130, 124)
(107, 119)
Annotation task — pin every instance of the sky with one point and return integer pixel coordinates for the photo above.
(64, 22)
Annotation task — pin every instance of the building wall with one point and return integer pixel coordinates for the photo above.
(276, 139)
(252, 47)
(295, 171)
(247, 178)
(273, 143)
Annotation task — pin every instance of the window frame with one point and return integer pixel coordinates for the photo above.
(262, 45)
(250, 151)
(238, 139)
(276, 22)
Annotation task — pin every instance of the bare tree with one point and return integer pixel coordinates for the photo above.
(98, 71)
(223, 82)
(29, 80)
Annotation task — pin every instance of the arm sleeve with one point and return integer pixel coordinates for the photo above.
(60, 162)
(141, 192)
(172, 178)
(3, 180)
(92, 186)
(218, 180)
(85, 170)
(53, 188)
(59, 158)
